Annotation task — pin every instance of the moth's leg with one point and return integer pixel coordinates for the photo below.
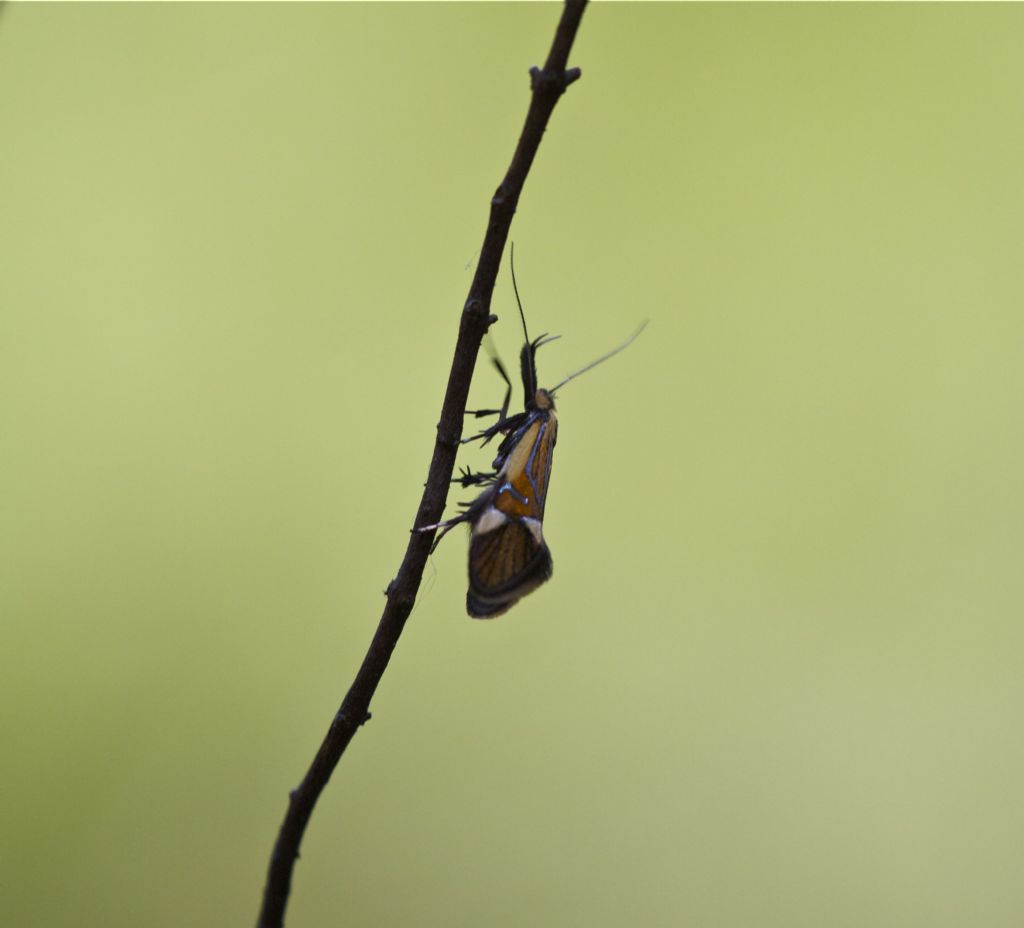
(487, 434)
(501, 427)
(502, 413)
(469, 478)
(445, 528)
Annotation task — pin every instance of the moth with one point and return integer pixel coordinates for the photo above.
(508, 556)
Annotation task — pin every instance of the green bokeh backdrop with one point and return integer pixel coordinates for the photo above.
(776, 679)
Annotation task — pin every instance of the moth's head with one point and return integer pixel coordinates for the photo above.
(543, 400)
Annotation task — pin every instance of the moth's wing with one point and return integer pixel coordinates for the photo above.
(526, 471)
(505, 563)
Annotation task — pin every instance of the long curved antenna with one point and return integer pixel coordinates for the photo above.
(515, 286)
(527, 363)
(629, 341)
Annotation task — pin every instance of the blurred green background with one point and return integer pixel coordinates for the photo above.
(776, 678)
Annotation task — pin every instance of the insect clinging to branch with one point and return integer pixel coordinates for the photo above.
(508, 556)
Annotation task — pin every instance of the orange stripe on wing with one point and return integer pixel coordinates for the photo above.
(523, 482)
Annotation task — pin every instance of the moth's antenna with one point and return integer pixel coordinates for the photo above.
(629, 341)
(515, 286)
(519, 303)
(526, 360)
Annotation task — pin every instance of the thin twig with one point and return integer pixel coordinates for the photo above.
(547, 86)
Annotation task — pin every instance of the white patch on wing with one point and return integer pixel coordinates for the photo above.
(535, 529)
(490, 520)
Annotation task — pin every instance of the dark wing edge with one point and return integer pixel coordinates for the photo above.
(516, 564)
